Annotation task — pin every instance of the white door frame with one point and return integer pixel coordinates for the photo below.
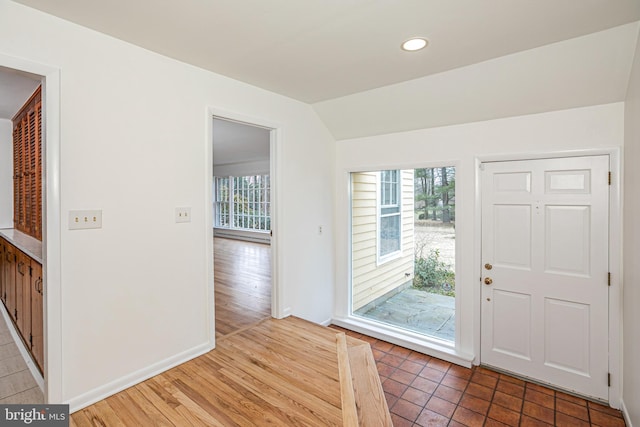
(52, 299)
(277, 291)
(615, 254)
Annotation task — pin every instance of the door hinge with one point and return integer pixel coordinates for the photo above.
(608, 279)
(609, 178)
(608, 379)
(31, 340)
(30, 271)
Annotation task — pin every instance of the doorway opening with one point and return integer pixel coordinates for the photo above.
(242, 219)
(22, 324)
(403, 249)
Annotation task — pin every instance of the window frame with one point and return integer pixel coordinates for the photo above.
(258, 199)
(383, 258)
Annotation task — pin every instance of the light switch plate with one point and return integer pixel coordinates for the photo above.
(183, 214)
(80, 220)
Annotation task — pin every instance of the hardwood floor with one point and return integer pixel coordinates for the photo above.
(277, 372)
(242, 272)
(286, 373)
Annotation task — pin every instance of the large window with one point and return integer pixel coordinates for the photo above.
(389, 214)
(403, 250)
(243, 202)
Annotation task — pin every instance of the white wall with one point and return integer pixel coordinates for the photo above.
(567, 130)
(631, 354)
(133, 135)
(6, 174)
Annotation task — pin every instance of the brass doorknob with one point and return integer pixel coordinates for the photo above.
(488, 266)
(488, 281)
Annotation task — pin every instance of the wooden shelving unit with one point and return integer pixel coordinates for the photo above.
(27, 167)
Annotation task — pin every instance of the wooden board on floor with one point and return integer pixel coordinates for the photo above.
(369, 395)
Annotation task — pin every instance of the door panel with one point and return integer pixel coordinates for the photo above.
(567, 240)
(545, 249)
(512, 244)
(567, 326)
(512, 338)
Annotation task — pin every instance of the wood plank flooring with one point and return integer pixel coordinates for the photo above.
(242, 272)
(277, 372)
(285, 373)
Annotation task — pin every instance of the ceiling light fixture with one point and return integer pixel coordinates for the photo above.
(414, 44)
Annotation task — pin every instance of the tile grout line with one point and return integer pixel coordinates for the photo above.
(15, 394)
(26, 368)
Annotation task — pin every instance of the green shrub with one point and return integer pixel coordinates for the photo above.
(433, 275)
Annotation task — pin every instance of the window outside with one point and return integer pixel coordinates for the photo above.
(243, 202)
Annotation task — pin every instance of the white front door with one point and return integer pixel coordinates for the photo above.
(545, 271)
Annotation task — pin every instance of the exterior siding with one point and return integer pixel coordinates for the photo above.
(370, 280)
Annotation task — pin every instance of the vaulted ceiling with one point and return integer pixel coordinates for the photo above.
(322, 52)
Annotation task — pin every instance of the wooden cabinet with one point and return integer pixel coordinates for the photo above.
(23, 293)
(22, 290)
(9, 296)
(2, 245)
(27, 167)
(37, 321)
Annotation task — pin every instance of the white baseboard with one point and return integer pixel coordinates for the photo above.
(104, 391)
(326, 322)
(625, 413)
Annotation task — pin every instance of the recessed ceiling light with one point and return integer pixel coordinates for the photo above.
(415, 44)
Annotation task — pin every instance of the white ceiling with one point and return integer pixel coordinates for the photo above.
(316, 50)
(16, 87)
(235, 142)
(580, 72)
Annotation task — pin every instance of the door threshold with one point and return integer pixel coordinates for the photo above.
(547, 385)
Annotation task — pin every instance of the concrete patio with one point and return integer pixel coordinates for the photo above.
(418, 311)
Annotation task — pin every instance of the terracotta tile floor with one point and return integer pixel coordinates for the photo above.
(425, 391)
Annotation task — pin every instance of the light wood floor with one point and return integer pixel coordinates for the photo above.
(242, 272)
(278, 372)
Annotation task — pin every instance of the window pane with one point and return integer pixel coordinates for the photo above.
(389, 234)
(409, 281)
(246, 205)
(389, 213)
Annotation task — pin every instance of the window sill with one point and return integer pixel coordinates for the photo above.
(431, 346)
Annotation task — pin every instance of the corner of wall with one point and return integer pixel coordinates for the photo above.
(625, 414)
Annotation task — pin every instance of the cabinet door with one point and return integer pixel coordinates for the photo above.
(37, 320)
(2, 249)
(10, 280)
(23, 295)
